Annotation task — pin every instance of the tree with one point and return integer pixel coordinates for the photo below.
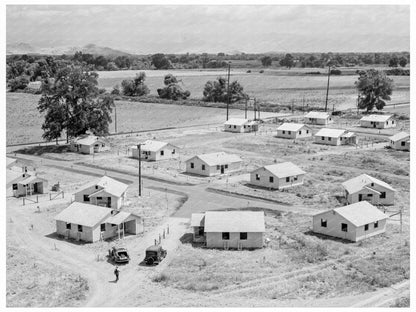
(72, 102)
(266, 61)
(287, 61)
(394, 62)
(216, 91)
(18, 83)
(160, 61)
(135, 87)
(172, 90)
(403, 61)
(375, 88)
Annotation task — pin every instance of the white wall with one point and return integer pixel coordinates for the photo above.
(254, 240)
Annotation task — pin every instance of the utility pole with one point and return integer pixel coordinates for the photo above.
(327, 87)
(228, 88)
(115, 117)
(140, 169)
(254, 108)
(245, 109)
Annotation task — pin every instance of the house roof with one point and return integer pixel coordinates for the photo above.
(220, 158)
(32, 179)
(197, 219)
(234, 221)
(399, 136)
(152, 145)
(119, 217)
(236, 121)
(109, 185)
(329, 132)
(12, 175)
(318, 115)
(89, 140)
(361, 213)
(83, 214)
(377, 118)
(289, 126)
(10, 161)
(349, 134)
(358, 183)
(283, 170)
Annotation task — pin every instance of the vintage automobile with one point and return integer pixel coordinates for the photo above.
(119, 255)
(154, 255)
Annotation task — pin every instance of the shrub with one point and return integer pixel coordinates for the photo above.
(161, 277)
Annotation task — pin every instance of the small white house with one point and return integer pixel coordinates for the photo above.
(318, 118)
(90, 223)
(34, 86)
(29, 185)
(293, 131)
(329, 136)
(213, 164)
(240, 125)
(353, 222)
(366, 188)
(400, 141)
(277, 176)
(378, 121)
(88, 144)
(155, 150)
(106, 192)
(229, 229)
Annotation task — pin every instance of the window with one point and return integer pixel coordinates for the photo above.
(366, 227)
(173, 151)
(192, 165)
(162, 153)
(392, 122)
(68, 226)
(225, 235)
(218, 167)
(376, 224)
(289, 132)
(287, 179)
(86, 198)
(300, 132)
(372, 184)
(323, 222)
(99, 198)
(203, 167)
(271, 179)
(329, 139)
(226, 166)
(257, 177)
(295, 178)
(383, 195)
(79, 228)
(235, 127)
(102, 227)
(96, 187)
(14, 186)
(370, 195)
(201, 231)
(307, 131)
(284, 132)
(322, 138)
(403, 143)
(243, 236)
(344, 227)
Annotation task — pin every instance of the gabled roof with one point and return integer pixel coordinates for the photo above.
(234, 221)
(399, 136)
(283, 170)
(10, 161)
(152, 145)
(32, 179)
(120, 217)
(289, 126)
(329, 132)
(83, 214)
(318, 115)
(358, 183)
(197, 219)
(220, 158)
(348, 134)
(107, 184)
(236, 121)
(361, 213)
(88, 140)
(377, 118)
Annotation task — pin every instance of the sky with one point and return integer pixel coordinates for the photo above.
(146, 29)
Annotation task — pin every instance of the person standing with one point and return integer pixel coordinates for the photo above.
(116, 272)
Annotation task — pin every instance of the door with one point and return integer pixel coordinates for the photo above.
(109, 202)
(96, 148)
(222, 169)
(35, 188)
(360, 197)
(374, 125)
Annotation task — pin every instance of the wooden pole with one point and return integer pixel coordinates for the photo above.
(327, 88)
(140, 169)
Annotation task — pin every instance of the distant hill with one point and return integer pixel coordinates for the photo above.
(25, 48)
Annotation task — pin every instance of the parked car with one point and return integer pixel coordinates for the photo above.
(119, 255)
(154, 255)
